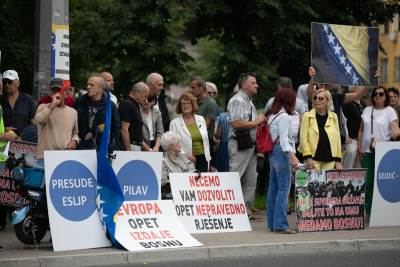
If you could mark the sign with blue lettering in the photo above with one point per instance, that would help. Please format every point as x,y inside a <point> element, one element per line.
<point>71,199</point>
<point>386,199</point>
<point>139,174</point>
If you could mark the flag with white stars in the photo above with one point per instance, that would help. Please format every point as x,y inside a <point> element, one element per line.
<point>345,55</point>
<point>109,195</point>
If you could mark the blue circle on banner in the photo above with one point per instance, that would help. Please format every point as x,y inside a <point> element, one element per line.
<point>388,176</point>
<point>73,190</point>
<point>138,181</point>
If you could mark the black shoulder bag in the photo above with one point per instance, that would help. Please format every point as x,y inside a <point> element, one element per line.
<point>243,137</point>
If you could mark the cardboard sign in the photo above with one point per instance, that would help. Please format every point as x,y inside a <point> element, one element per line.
<point>386,199</point>
<point>330,200</point>
<point>210,203</point>
<point>139,174</point>
<point>151,225</point>
<point>71,200</point>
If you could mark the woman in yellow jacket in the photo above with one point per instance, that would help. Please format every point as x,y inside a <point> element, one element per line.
<point>320,134</point>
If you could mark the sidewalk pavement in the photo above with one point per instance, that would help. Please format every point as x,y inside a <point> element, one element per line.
<point>216,246</point>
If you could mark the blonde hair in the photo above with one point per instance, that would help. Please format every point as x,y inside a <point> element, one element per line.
<point>212,86</point>
<point>328,96</point>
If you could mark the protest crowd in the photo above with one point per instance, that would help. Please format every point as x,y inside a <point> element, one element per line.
<point>322,126</point>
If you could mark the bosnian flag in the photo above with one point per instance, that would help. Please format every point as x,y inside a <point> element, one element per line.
<point>345,55</point>
<point>109,195</point>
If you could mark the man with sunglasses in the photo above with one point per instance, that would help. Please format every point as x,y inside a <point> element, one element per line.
<point>18,108</point>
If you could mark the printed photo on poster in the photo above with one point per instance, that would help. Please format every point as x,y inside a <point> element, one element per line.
<point>330,200</point>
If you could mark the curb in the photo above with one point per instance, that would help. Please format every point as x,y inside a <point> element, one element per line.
<point>207,253</point>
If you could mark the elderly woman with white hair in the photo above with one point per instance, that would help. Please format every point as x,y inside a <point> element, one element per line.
<point>320,135</point>
<point>212,90</point>
<point>174,161</point>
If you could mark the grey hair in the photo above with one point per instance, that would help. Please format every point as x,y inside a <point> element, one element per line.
<point>150,78</point>
<point>199,81</point>
<point>244,77</point>
<point>102,82</point>
<point>139,87</point>
<point>169,138</point>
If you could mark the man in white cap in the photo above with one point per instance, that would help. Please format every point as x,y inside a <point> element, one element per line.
<point>57,123</point>
<point>18,108</point>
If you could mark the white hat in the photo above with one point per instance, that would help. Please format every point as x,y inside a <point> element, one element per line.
<point>11,75</point>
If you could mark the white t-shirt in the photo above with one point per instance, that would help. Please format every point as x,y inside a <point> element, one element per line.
<point>382,118</point>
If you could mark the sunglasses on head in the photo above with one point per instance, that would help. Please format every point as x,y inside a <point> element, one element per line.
<point>7,81</point>
<point>379,94</point>
<point>319,98</point>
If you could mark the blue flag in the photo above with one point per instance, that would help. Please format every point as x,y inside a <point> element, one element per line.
<point>345,55</point>
<point>109,195</point>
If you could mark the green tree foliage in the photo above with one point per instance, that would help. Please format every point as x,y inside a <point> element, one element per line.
<point>128,38</point>
<point>272,37</point>
<point>17,37</point>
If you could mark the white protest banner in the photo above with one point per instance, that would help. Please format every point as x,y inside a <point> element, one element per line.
<point>71,200</point>
<point>151,225</point>
<point>210,203</point>
<point>386,199</point>
<point>60,51</point>
<point>139,174</point>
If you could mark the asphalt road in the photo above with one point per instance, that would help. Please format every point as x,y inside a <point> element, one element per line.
<point>383,258</point>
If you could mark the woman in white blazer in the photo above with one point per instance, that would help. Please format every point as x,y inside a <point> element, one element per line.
<point>192,129</point>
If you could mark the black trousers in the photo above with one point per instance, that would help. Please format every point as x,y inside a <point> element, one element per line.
<point>201,163</point>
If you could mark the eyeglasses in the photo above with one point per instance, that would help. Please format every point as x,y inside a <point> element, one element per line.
<point>212,93</point>
<point>379,94</point>
<point>7,81</point>
<point>319,98</point>
<point>186,103</point>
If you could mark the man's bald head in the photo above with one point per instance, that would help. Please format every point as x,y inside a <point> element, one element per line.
<point>108,79</point>
<point>155,82</point>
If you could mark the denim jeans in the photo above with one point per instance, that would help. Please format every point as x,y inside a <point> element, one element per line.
<point>278,189</point>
